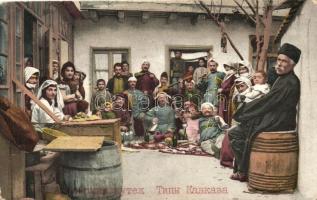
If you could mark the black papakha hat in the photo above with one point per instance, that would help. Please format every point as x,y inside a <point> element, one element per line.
<point>290,51</point>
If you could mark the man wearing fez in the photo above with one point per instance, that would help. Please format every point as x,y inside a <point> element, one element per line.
<point>137,103</point>
<point>146,82</point>
<point>276,111</point>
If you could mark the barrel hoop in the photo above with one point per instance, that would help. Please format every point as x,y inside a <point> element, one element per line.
<point>283,148</point>
<point>268,176</point>
<point>276,187</point>
<point>276,139</point>
<point>270,184</point>
<point>274,180</point>
<point>90,169</point>
<point>274,150</point>
<point>274,146</point>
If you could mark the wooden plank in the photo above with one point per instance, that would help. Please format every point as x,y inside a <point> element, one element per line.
<point>76,144</point>
<point>95,122</point>
<point>37,101</point>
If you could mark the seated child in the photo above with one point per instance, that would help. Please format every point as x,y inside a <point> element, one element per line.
<point>211,129</point>
<point>190,120</point>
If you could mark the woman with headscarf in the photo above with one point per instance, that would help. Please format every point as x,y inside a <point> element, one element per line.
<point>245,69</point>
<point>50,95</point>
<point>31,77</point>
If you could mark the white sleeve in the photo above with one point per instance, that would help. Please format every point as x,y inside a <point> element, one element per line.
<point>253,95</point>
<point>35,114</point>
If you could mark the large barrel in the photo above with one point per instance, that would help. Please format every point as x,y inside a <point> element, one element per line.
<point>274,161</point>
<point>92,175</point>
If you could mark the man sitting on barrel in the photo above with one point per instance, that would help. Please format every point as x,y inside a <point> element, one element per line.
<point>276,111</point>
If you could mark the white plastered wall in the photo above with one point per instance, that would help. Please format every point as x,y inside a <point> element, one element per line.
<point>303,33</point>
<point>150,41</point>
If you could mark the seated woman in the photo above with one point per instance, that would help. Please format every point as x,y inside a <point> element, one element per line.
<point>50,95</point>
<point>72,96</point>
<point>164,116</point>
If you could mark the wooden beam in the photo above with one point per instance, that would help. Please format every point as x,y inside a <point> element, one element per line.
<point>121,16</point>
<point>145,17</point>
<point>171,17</point>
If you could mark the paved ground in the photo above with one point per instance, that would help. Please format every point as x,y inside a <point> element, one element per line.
<point>153,175</point>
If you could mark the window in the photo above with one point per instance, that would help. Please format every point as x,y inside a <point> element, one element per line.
<point>19,16</point>
<point>103,61</point>
<point>3,50</point>
<point>3,46</point>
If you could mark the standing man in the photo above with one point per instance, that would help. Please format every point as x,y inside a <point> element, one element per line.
<point>212,83</point>
<point>276,111</point>
<point>118,83</point>
<point>137,102</point>
<point>177,67</point>
<point>125,69</point>
<point>146,82</point>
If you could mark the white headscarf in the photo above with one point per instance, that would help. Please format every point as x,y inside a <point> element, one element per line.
<point>248,66</point>
<point>29,71</point>
<point>246,81</point>
<point>164,94</point>
<point>207,104</point>
<point>132,78</point>
<point>45,84</point>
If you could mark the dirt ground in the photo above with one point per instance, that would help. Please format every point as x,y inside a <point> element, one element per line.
<point>149,174</point>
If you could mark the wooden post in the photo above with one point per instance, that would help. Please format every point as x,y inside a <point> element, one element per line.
<point>266,38</point>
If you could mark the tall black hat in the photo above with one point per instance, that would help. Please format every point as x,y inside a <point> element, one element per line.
<point>290,51</point>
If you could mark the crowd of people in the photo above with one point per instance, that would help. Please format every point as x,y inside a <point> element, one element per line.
<point>220,111</point>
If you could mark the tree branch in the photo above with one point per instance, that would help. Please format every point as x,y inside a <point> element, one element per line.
<point>245,12</point>
<point>213,18</point>
<point>251,7</point>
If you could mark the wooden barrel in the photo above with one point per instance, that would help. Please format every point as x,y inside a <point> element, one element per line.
<point>92,175</point>
<point>274,161</point>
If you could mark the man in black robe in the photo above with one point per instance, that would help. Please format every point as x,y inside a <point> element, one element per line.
<point>276,111</point>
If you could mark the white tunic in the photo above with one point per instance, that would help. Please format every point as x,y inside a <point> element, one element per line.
<point>40,116</point>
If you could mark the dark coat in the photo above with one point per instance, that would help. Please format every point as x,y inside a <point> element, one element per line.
<point>276,111</point>
<point>110,84</point>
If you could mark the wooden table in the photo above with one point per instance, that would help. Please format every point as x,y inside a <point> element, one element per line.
<point>109,128</point>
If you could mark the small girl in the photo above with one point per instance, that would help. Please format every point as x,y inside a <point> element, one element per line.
<point>190,119</point>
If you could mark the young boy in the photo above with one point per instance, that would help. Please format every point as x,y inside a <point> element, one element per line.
<point>211,129</point>
<point>100,97</point>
